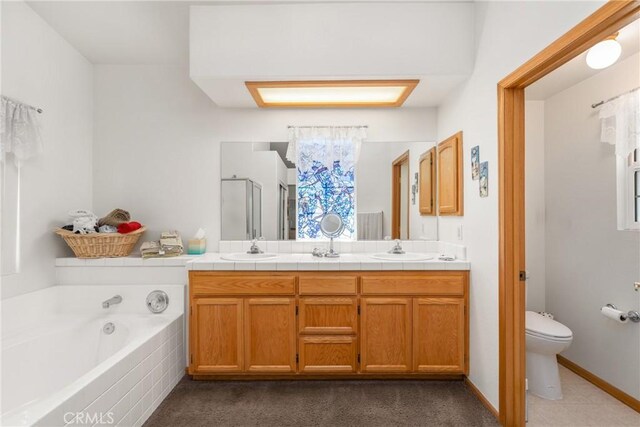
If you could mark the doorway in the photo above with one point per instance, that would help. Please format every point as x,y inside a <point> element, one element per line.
<point>610,18</point>
<point>400,197</point>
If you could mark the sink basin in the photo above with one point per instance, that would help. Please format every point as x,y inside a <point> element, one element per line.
<point>243,256</point>
<point>408,256</point>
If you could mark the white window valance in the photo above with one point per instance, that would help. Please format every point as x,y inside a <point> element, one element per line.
<point>328,135</point>
<point>620,123</point>
<point>19,131</point>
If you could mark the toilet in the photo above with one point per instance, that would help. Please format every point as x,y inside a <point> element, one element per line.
<point>545,338</point>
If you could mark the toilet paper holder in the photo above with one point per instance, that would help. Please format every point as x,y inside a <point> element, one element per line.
<point>632,315</point>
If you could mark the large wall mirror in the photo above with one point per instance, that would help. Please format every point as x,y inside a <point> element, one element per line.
<point>392,195</point>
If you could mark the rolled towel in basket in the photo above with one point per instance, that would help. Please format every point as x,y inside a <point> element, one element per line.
<point>115,218</point>
<point>128,227</point>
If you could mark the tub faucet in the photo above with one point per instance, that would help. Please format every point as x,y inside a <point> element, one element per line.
<point>113,300</point>
<point>397,248</point>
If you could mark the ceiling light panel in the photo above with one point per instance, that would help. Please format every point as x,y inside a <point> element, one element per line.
<point>361,93</point>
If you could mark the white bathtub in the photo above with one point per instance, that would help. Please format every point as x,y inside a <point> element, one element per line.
<point>59,367</point>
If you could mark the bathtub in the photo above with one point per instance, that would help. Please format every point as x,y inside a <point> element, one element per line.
<point>60,367</point>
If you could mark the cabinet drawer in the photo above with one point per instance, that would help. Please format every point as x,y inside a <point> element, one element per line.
<point>328,354</point>
<point>441,283</point>
<point>204,284</point>
<point>328,285</point>
<point>328,315</point>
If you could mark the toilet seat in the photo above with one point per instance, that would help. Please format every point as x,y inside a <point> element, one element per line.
<point>537,325</point>
<point>548,337</point>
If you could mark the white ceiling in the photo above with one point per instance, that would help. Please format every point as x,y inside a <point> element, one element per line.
<point>138,32</point>
<point>576,70</point>
<point>232,44</point>
<point>122,32</point>
<point>157,32</point>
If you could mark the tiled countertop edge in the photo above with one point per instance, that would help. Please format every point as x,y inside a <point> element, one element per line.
<point>179,261</point>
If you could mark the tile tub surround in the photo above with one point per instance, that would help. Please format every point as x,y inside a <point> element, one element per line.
<point>116,271</point>
<point>56,365</point>
<point>357,246</point>
<point>307,262</point>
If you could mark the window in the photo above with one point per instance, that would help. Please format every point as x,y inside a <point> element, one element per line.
<point>325,183</point>
<point>629,191</point>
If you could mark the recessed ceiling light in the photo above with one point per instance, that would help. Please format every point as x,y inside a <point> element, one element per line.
<point>332,93</point>
<point>604,54</point>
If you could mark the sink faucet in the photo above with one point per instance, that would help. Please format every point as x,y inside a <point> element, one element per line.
<point>397,248</point>
<point>113,300</point>
<point>254,249</point>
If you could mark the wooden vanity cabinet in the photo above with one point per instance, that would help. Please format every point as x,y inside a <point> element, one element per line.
<point>328,354</point>
<point>386,335</point>
<point>270,335</point>
<point>299,324</point>
<point>217,335</point>
<point>328,315</point>
<point>439,335</point>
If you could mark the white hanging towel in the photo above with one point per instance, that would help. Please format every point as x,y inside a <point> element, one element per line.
<point>370,225</point>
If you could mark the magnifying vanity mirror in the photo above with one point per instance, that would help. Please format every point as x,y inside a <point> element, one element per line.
<point>388,191</point>
<point>332,227</point>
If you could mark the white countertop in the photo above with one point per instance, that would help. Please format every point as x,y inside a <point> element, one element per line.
<point>130,261</point>
<point>307,262</point>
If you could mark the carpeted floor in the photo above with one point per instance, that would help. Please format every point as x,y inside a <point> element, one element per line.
<point>321,403</point>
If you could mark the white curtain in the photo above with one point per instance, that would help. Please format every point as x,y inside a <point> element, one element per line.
<point>326,135</point>
<point>19,131</point>
<point>620,123</point>
<point>20,139</point>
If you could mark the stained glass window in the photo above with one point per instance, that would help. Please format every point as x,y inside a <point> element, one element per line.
<point>325,183</point>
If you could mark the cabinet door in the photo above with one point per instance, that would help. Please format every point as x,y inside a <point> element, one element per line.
<point>216,335</point>
<point>450,176</point>
<point>438,335</point>
<point>270,335</point>
<point>385,328</point>
<point>333,354</point>
<point>427,187</point>
<point>328,315</point>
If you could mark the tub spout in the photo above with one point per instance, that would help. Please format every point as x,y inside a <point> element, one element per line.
<point>113,300</point>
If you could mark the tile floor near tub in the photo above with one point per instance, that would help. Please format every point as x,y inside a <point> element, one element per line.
<point>583,404</point>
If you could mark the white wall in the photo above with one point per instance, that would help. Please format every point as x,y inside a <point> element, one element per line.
<point>157,143</point>
<point>535,204</point>
<point>508,34</point>
<point>40,68</point>
<point>589,263</point>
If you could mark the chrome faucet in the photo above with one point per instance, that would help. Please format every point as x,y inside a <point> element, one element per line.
<point>254,249</point>
<point>113,300</point>
<point>397,248</point>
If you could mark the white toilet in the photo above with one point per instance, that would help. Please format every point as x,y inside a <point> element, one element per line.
<point>545,338</point>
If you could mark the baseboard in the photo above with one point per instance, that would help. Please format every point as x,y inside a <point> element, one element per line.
<point>481,398</point>
<point>327,377</point>
<point>623,397</point>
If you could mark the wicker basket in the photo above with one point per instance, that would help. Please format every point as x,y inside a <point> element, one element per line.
<point>101,245</point>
